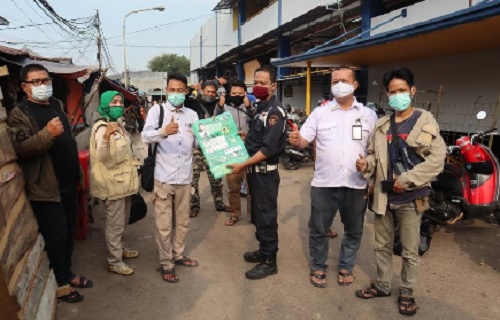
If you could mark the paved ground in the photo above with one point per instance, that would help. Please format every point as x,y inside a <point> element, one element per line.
<point>459,277</point>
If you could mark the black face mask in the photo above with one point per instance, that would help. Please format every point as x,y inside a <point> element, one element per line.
<point>237,100</point>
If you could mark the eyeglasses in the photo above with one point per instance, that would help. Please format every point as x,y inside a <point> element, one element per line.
<point>39,82</point>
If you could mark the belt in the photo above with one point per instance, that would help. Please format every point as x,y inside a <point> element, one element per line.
<point>255,168</point>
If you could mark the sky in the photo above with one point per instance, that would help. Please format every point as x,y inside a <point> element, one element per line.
<point>183,19</point>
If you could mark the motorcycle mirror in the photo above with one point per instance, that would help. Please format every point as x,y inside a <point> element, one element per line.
<point>481,115</point>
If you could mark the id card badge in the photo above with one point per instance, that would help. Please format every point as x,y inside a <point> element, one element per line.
<point>357,132</point>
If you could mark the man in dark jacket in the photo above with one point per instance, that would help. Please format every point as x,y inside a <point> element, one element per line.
<point>48,155</point>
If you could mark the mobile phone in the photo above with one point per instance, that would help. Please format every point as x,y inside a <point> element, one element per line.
<point>387,186</point>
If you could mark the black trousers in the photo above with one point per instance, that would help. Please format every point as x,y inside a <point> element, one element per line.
<point>264,203</point>
<point>57,224</point>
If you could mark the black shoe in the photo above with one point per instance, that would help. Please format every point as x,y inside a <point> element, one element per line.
<point>222,207</point>
<point>265,268</point>
<point>252,257</point>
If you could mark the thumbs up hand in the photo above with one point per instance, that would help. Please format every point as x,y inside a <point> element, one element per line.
<point>172,127</point>
<point>361,163</point>
<point>294,137</point>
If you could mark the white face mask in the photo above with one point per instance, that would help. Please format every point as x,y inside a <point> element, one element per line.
<point>342,89</point>
<point>41,93</point>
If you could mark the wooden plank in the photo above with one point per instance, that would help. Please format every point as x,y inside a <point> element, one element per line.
<point>42,274</point>
<point>20,234</point>
<point>7,152</point>
<point>15,210</point>
<point>7,309</point>
<point>24,272</point>
<point>47,307</point>
<point>3,219</point>
<point>11,190</point>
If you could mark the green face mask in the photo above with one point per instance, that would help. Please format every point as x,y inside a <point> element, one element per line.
<point>176,99</point>
<point>400,101</point>
<point>116,112</point>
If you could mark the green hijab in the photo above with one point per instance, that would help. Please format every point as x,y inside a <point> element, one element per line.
<point>106,98</point>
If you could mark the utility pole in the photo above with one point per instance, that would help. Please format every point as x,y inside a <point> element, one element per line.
<point>97,24</point>
<point>201,53</point>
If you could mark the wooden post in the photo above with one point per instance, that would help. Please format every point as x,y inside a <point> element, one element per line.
<point>440,93</point>
<point>308,88</point>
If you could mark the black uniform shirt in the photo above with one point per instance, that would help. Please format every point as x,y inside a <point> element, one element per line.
<point>268,138</point>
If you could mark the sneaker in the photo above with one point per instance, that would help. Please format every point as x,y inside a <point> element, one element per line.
<point>129,254</point>
<point>121,268</point>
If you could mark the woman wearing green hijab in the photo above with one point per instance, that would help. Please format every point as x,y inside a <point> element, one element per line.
<point>113,176</point>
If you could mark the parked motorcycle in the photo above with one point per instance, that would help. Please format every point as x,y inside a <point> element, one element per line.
<point>468,188</point>
<point>292,159</point>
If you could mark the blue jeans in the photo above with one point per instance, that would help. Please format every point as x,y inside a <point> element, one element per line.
<point>325,202</point>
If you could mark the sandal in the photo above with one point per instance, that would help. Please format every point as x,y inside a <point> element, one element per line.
<point>82,283</point>
<point>318,276</point>
<point>187,262</point>
<point>67,295</point>
<point>193,213</point>
<point>171,276</point>
<point>343,274</point>
<point>407,306</point>
<point>371,292</point>
<point>222,207</point>
<point>230,221</point>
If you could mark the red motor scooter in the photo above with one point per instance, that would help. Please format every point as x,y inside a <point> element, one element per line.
<point>469,186</point>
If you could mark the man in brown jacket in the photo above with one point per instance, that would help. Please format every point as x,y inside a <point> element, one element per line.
<point>48,155</point>
<point>402,184</point>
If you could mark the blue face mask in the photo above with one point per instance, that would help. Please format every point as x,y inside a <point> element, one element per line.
<point>176,99</point>
<point>400,101</point>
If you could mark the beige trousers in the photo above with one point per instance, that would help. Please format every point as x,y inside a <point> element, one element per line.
<point>408,219</point>
<point>172,218</point>
<point>117,215</point>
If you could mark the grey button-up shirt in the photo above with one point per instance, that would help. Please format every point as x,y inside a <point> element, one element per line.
<point>174,156</point>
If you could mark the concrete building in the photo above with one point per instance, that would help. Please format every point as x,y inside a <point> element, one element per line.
<point>453,47</point>
<point>146,80</point>
<point>241,35</point>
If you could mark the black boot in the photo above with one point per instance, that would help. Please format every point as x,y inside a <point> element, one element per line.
<point>252,257</point>
<point>265,268</point>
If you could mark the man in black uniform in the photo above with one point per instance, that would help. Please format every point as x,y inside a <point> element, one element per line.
<point>265,143</point>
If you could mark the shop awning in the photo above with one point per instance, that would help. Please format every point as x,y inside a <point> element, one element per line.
<point>468,30</point>
<point>127,94</point>
<point>68,71</point>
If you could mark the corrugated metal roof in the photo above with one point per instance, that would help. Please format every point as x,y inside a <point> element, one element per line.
<point>12,51</point>
<point>225,4</point>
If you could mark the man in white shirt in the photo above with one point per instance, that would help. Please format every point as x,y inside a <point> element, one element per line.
<point>342,129</point>
<point>173,175</point>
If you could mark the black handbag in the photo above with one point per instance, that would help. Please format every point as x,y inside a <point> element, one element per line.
<point>138,208</point>
<point>148,168</point>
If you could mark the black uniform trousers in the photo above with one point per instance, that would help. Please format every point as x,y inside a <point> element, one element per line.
<point>57,224</point>
<point>264,210</point>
